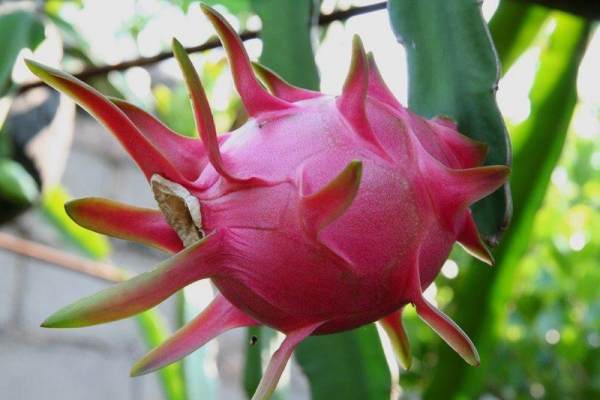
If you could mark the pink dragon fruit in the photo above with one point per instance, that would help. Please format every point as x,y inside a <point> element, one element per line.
<point>319,215</point>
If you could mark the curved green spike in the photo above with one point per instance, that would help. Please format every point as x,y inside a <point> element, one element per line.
<point>142,291</point>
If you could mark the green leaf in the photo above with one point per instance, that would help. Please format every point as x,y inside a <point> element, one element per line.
<point>19,189</point>
<point>16,185</point>
<point>258,339</point>
<point>514,27</point>
<point>234,6</point>
<point>154,332</point>
<point>18,29</point>
<point>173,108</point>
<point>198,383</point>
<point>483,295</point>
<point>349,365</point>
<point>287,36</point>
<point>253,362</point>
<point>54,6</point>
<point>453,71</point>
<point>93,244</point>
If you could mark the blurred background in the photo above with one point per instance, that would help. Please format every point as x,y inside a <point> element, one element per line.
<point>535,316</point>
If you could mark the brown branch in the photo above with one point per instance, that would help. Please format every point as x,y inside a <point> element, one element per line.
<point>61,258</point>
<point>92,72</point>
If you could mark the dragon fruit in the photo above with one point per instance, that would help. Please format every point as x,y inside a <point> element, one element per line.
<point>320,214</point>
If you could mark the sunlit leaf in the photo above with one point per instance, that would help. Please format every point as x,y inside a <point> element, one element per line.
<point>514,27</point>
<point>52,204</point>
<point>154,332</point>
<point>198,384</point>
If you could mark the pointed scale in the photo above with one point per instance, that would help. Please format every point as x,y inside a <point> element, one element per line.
<point>351,103</point>
<point>279,360</point>
<point>137,224</point>
<point>255,98</point>
<point>377,87</point>
<point>456,189</point>
<point>145,290</point>
<point>451,333</point>
<point>471,241</point>
<point>464,187</point>
<point>186,153</point>
<point>149,159</point>
<point>321,208</point>
<point>220,316</point>
<point>470,153</point>
<point>202,113</point>
<point>392,325</point>
<point>280,88</point>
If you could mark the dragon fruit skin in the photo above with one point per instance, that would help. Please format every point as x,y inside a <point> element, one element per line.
<point>319,215</point>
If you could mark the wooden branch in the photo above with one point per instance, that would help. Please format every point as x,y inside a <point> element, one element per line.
<point>92,72</point>
<point>62,259</point>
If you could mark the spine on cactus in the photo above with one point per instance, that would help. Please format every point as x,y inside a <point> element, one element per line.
<point>377,87</point>
<point>471,241</point>
<point>219,316</point>
<point>146,155</point>
<point>202,113</point>
<point>146,290</point>
<point>143,225</point>
<point>392,324</point>
<point>255,98</point>
<point>351,103</point>
<point>170,143</point>
<point>281,88</point>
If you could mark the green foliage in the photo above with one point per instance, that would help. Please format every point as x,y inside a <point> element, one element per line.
<point>173,108</point>
<point>16,185</point>
<point>453,71</point>
<point>234,6</point>
<point>349,365</point>
<point>282,21</point>
<point>482,296</point>
<point>259,339</point>
<point>154,332</point>
<point>198,384</point>
<point>514,28</point>
<point>94,245</point>
<point>173,104</point>
<point>18,29</point>
<point>18,189</point>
